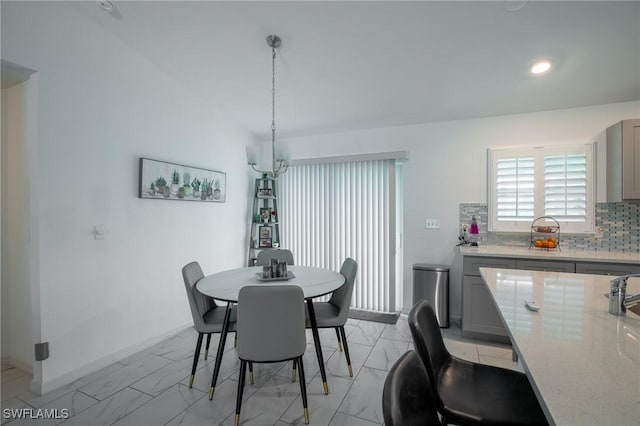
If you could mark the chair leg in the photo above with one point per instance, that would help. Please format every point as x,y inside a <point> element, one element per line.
<point>339,340</point>
<point>303,390</point>
<point>250,372</point>
<point>293,373</point>
<point>195,359</point>
<point>206,348</point>
<point>346,350</point>
<point>243,371</point>
<point>235,340</point>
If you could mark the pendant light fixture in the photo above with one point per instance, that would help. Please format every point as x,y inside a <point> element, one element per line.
<point>279,165</point>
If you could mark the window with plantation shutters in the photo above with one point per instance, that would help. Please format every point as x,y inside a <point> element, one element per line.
<point>526,183</point>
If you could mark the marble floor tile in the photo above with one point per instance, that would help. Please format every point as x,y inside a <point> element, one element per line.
<point>205,412</point>
<point>385,353</point>
<point>109,410</point>
<point>366,388</point>
<point>464,350</point>
<point>11,374</point>
<point>10,404</point>
<point>366,333</point>
<point>336,365</point>
<point>75,402</point>
<point>268,403</point>
<point>342,419</point>
<point>41,400</point>
<point>151,386</point>
<point>164,407</point>
<point>164,378</point>
<point>321,407</point>
<point>15,387</point>
<point>398,331</point>
<point>106,386</point>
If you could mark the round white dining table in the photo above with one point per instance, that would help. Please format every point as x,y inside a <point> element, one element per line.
<point>226,285</point>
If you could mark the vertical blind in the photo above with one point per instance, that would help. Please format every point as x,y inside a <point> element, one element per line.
<point>346,209</point>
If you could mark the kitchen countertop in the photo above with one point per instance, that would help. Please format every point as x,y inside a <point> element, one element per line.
<point>583,363</point>
<point>564,254</point>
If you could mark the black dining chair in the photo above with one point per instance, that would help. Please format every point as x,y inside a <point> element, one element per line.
<point>469,393</point>
<point>407,395</point>
<point>207,315</point>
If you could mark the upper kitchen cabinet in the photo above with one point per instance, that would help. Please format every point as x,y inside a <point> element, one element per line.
<point>623,161</point>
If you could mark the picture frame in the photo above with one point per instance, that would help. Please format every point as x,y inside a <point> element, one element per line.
<point>265,242</point>
<point>265,214</point>
<point>163,180</point>
<point>265,192</point>
<point>265,239</point>
<point>265,232</point>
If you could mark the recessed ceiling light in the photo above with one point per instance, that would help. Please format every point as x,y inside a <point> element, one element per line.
<point>541,67</point>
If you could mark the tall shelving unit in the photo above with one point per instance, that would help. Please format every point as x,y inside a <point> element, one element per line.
<point>264,232</point>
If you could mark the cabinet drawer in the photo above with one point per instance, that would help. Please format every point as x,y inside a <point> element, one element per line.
<point>607,268</point>
<point>546,265</point>
<point>472,264</point>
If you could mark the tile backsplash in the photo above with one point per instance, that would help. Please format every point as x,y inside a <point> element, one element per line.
<point>621,223</point>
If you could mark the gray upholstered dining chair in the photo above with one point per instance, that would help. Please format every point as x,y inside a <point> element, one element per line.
<point>333,314</point>
<point>281,255</point>
<point>271,328</point>
<point>407,395</point>
<point>469,393</point>
<point>207,315</point>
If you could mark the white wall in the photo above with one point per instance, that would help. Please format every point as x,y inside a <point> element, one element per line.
<point>101,106</point>
<point>16,302</point>
<point>447,167</point>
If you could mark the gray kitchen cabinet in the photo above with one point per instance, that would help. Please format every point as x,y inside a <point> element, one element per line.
<point>545,265</point>
<point>607,268</point>
<point>480,317</point>
<point>623,161</point>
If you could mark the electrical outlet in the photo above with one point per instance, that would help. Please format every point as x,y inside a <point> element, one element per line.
<point>432,224</point>
<point>599,232</point>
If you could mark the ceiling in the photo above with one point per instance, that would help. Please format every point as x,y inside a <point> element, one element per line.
<point>355,65</point>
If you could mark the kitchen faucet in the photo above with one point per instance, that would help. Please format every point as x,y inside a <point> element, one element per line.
<point>618,299</point>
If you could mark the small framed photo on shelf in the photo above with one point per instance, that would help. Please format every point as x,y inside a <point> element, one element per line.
<point>265,236</point>
<point>265,232</point>
<point>265,242</point>
<point>265,215</point>
<point>265,192</point>
<point>274,216</point>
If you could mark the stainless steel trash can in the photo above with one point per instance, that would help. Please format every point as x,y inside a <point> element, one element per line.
<point>431,282</point>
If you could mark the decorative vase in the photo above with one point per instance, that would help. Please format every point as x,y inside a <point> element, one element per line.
<point>174,189</point>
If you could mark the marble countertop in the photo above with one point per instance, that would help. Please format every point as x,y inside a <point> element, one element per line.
<point>564,254</point>
<point>583,362</point>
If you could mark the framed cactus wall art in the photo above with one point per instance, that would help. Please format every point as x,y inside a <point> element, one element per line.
<point>168,181</point>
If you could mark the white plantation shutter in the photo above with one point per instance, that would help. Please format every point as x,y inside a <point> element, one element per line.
<point>345,209</point>
<point>515,188</point>
<point>565,187</point>
<point>526,183</point>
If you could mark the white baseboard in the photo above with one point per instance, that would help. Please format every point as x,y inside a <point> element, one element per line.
<point>41,388</point>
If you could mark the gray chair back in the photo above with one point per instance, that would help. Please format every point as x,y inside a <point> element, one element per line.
<point>407,396</point>
<point>342,296</point>
<point>282,255</point>
<point>271,323</point>
<point>198,302</point>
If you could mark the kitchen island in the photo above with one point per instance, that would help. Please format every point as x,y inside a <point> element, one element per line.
<point>583,362</point>
<point>480,319</point>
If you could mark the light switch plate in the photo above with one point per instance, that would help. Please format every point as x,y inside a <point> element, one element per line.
<point>432,224</point>
<point>599,232</point>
